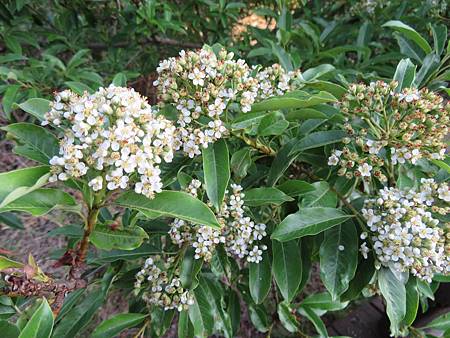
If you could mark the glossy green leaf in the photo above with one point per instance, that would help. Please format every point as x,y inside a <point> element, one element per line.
<point>430,65</point>
<point>439,37</point>
<point>175,204</point>
<point>241,161</point>
<point>201,313</point>
<point>144,250</point>
<point>8,330</point>
<point>412,301</point>
<point>334,89</point>
<point>40,324</point>
<point>272,124</point>
<point>287,317</point>
<point>9,97</point>
<point>295,188</point>
<point>185,328</point>
<point>36,107</point>
<point>6,263</point>
<point>190,267</point>
<point>287,267</point>
<point>404,74</point>
<point>339,258</point>
<point>120,80</point>
<point>17,183</point>
<point>317,72</point>
<point>35,142</point>
<point>394,293</point>
<point>216,168</point>
<point>308,221</point>
<point>440,323</point>
<point>266,195</point>
<point>323,301</point>
<point>126,238</point>
<point>78,87</point>
<point>260,279</point>
<point>283,159</point>
<point>321,196</point>
<point>11,220</point>
<point>318,139</point>
<point>41,201</point>
<point>305,114</point>
<point>363,275</point>
<point>315,319</point>
<point>117,323</point>
<point>300,99</point>
<point>410,33</point>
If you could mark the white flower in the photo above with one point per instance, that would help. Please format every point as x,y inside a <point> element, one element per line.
<point>96,183</point>
<point>197,77</point>
<point>365,169</point>
<point>444,193</point>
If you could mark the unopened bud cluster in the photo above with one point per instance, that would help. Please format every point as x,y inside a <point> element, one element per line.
<point>239,234</point>
<point>110,137</point>
<point>408,230</point>
<point>385,127</point>
<point>161,285</point>
<point>202,86</point>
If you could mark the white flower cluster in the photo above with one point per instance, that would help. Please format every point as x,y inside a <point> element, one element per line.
<point>202,85</point>
<point>406,230</point>
<point>109,136</point>
<point>239,234</point>
<point>385,127</point>
<point>274,80</point>
<point>160,288</point>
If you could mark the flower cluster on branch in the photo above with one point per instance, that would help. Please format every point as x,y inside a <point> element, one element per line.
<point>239,234</point>
<point>387,127</point>
<point>113,137</point>
<point>408,228</point>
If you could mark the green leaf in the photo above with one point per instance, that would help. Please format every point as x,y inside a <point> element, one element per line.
<point>170,203</point>
<point>36,107</point>
<point>42,201</point>
<point>282,161</point>
<point>8,329</point>
<point>442,165</point>
<point>297,99</point>
<point>334,89</point>
<point>260,279</point>
<point>40,324</point>
<point>315,319</point>
<point>241,162</point>
<point>9,97</point>
<point>430,64</point>
<point>16,183</point>
<point>321,196</point>
<point>11,220</point>
<point>287,318</point>
<point>127,238</point>
<point>144,250</point>
<point>317,72</point>
<point>120,80</point>
<point>272,124</point>
<point>185,328</point>
<point>267,195</point>
<point>339,258</point>
<point>247,120</point>
<point>287,268</point>
<point>363,275</point>
<point>394,293</point>
<point>439,37</point>
<point>305,114</point>
<point>410,33</point>
<point>201,313</point>
<point>412,301</point>
<point>404,74</point>
<point>117,323</point>
<point>216,168</point>
<point>36,142</point>
<point>258,316</point>
<point>77,318</point>
<point>295,188</point>
<point>78,87</point>
<point>318,139</point>
<point>440,323</point>
<point>6,263</point>
<point>308,221</point>
<point>190,267</point>
<point>323,301</point>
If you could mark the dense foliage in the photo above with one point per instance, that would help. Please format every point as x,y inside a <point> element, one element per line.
<point>277,137</point>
